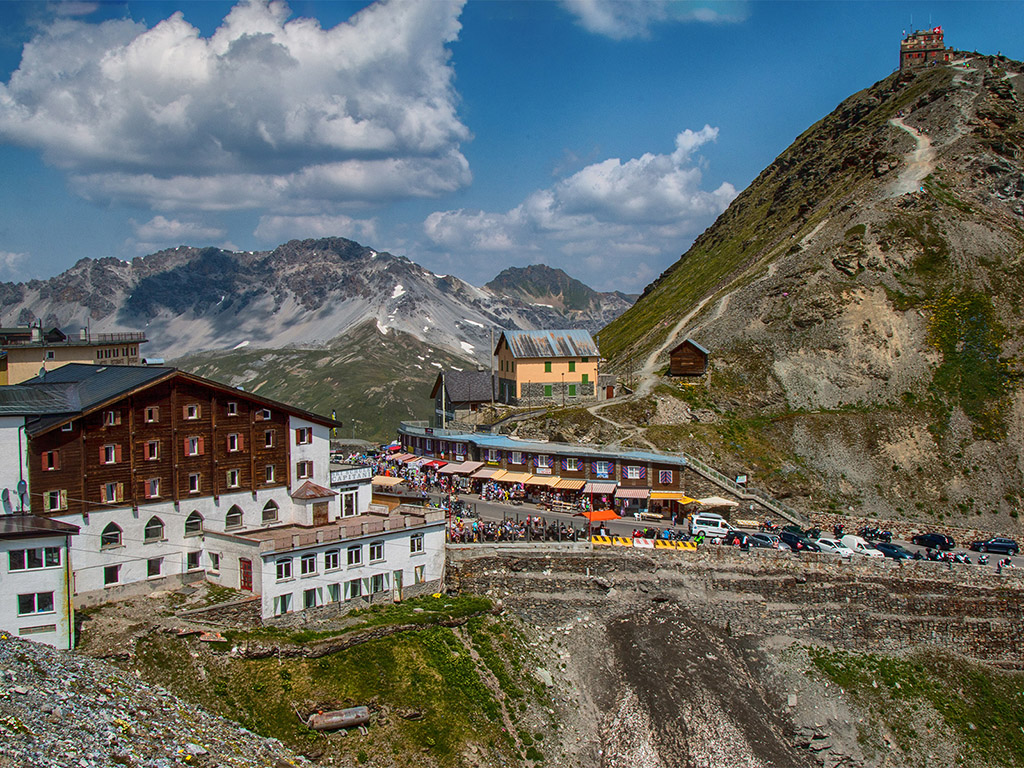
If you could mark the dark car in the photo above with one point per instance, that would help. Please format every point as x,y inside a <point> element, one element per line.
<point>934,541</point>
<point>764,540</point>
<point>1003,546</point>
<point>799,542</point>
<point>895,551</point>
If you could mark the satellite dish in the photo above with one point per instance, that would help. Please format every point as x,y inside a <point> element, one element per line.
<point>5,496</point>
<point>22,487</point>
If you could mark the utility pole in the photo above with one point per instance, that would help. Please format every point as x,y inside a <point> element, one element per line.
<point>563,389</point>
<point>444,403</point>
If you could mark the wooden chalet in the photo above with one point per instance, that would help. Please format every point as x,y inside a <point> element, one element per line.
<point>688,359</point>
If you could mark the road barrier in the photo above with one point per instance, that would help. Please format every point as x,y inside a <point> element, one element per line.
<point>639,543</point>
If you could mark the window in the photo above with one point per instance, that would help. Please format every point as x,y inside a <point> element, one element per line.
<point>111,536</point>
<point>268,439</point>
<point>50,354</point>
<point>584,359</point>
<point>112,492</point>
<point>282,604</point>
<point>416,544</point>
<point>51,460</point>
<point>493,455</point>
<point>33,559</point>
<point>232,409</point>
<point>572,366</point>
<point>269,473</point>
<point>110,454</point>
<point>194,524</point>
<point>284,568</point>
<point>191,412</point>
<point>353,589</point>
<point>304,470</point>
<point>152,488</point>
<point>348,504</point>
<point>233,519</point>
<point>36,602</point>
<point>67,427</point>
<point>547,366</point>
<point>270,512</point>
<point>265,414</point>
<point>602,468</point>
<point>234,478</point>
<point>111,575</point>
<point>517,457</point>
<point>633,473</point>
<point>332,559</point>
<point>154,567</point>
<point>151,450</point>
<point>572,390</point>
<point>192,560</point>
<point>547,390</point>
<point>664,476</point>
<point>334,593</point>
<point>111,418</point>
<point>55,501</point>
<point>376,551</point>
<point>543,461</point>
<point>194,446</point>
<point>417,574</point>
<point>584,379</point>
<point>572,465</point>
<point>214,562</point>
<point>355,555</point>
<point>307,565</point>
<point>234,442</point>
<point>303,435</point>
<point>378,582</point>
<point>154,530</point>
<point>309,598</point>
<point>151,415</point>
<point>193,482</point>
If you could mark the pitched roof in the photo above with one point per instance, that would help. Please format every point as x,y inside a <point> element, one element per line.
<point>692,343</point>
<point>30,526</point>
<point>467,386</point>
<point>564,343</point>
<point>310,490</point>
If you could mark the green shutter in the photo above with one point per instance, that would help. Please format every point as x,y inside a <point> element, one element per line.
<point>547,366</point>
<point>547,388</point>
<point>572,390</point>
<point>585,379</point>
<point>572,366</point>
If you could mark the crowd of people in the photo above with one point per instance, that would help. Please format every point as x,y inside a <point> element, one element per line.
<point>533,528</point>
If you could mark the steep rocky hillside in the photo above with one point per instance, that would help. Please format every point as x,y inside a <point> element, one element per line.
<point>862,303</point>
<point>303,293</point>
<point>540,284</point>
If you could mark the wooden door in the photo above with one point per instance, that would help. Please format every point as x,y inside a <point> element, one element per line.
<point>245,574</point>
<point>320,513</point>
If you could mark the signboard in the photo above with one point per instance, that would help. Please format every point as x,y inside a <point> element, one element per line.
<point>342,476</point>
<point>741,479</point>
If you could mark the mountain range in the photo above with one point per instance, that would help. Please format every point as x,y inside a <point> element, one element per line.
<point>862,301</point>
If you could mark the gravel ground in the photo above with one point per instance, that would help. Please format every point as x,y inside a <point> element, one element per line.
<point>61,709</point>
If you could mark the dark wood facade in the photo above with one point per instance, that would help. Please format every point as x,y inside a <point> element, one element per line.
<point>174,440</point>
<point>688,359</point>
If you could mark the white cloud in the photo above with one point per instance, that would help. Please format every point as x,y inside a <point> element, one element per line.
<point>624,19</point>
<point>277,229</point>
<point>613,219</point>
<point>12,265</point>
<point>160,228</point>
<point>265,111</point>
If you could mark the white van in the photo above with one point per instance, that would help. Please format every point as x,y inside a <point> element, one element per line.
<point>713,526</point>
<point>860,546</point>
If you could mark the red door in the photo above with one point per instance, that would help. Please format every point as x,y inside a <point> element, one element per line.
<point>609,392</point>
<point>245,574</point>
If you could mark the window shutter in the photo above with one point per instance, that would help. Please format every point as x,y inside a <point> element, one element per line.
<point>145,488</point>
<point>145,451</point>
<point>184,411</point>
<point>117,454</point>
<point>241,442</point>
<point>185,445</point>
<point>298,437</point>
<point>227,442</point>
<point>63,496</point>
<point>201,451</point>
<point>56,459</point>
<point>120,492</point>
<point>103,454</point>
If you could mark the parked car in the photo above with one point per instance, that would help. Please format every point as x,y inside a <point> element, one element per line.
<point>799,542</point>
<point>713,526</point>
<point>833,547</point>
<point>997,544</point>
<point>934,541</point>
<point>895,551</point>
<point>860,546</point>
<point>767,540</point>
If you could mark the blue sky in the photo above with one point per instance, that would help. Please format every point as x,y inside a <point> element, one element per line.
<point>596,136</point>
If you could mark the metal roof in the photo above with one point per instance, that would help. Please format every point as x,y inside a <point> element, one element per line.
<point>693,343</point>
<point>567,343</point>
<point>467,386</point>
<point>30,526</point>
<point>21,400</point>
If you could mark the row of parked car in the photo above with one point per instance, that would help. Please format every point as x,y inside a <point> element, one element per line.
<point>791,537</point>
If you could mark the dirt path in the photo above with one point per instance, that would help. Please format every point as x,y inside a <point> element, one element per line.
<point>919,162</point>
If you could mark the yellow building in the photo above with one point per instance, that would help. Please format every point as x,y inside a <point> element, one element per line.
<point>538,367</point>
<point>27,349</point>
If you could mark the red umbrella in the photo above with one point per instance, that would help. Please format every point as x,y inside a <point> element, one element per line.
<point>600,515</point>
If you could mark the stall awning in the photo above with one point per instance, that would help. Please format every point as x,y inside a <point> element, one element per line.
<point>514,477</point>
<point>401,456</point>
<point>415,461</point>
<point>468,467</point>
<point>718,501</point>
<point>485,474</point>
<point>539,480</point>
<point>435,463</point>
<point>602,489</point>
<point>387,482</point>
<point>450,469</point>
<point>632,493</point>
<point>682,498</point>
<point>569,484</point>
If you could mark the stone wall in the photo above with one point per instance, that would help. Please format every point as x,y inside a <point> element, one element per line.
<point>310,617</point>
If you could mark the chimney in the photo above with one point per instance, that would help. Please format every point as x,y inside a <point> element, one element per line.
<point>37,333</point>
<point>83,334</point>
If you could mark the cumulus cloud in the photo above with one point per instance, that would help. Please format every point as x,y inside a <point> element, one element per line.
<point>160,232</point>
<point>277,229</point>
<point>613,219</point>
<point>12,265</point>
<point>624,19</point>
<point>268,110</point>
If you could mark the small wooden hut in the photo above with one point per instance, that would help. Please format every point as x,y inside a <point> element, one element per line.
<point>688,359</point>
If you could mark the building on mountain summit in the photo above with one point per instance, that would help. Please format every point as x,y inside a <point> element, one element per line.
<point>688,359</point>
<point>923,47</point>
<point>25,350</point>
<point>546,367</point>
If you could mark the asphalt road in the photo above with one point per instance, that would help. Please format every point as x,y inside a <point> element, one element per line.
<point>497,511</point>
